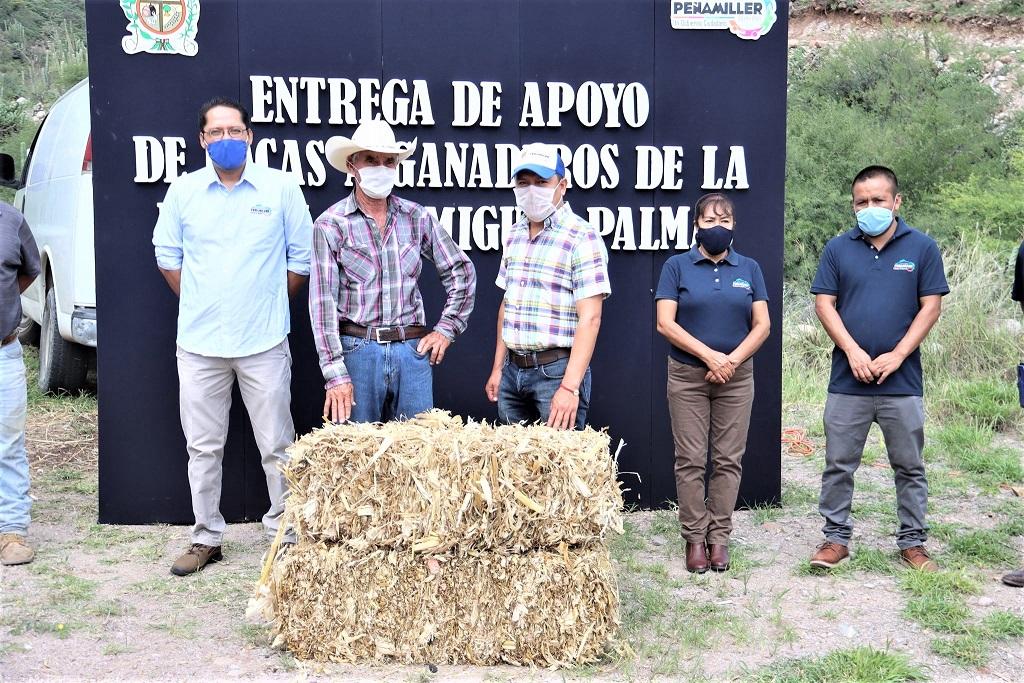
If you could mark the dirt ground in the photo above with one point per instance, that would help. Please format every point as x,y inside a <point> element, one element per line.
<point>99,603</point>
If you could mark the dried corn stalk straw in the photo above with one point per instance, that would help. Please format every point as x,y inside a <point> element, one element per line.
<point>432,483</point>
<point>550,608</point>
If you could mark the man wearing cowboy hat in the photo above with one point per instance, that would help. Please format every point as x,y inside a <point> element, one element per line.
<point>364,302</point>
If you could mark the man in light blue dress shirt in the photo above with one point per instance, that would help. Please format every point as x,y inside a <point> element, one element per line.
<point>233,242</point>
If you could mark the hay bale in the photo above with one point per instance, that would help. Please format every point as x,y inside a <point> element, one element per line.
<point>543,608</point>
<point>433,483</point>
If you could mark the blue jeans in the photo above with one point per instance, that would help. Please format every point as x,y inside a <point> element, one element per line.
<point>14,499</point>
<point>524,394</point>
<point>390,380</point>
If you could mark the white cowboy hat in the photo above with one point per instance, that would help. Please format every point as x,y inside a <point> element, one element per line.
<point>373,136</point>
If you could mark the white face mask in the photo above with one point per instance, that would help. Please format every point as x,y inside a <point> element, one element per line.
<point>536,201</point>
<point>377,181</point>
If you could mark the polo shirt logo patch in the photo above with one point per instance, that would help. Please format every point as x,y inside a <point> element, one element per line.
<point>740,283</point>
<point>904,264</point>
<point>260,210</point>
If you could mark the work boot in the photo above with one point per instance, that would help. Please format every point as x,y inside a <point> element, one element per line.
<point>14,550</point>
<point>195,558</point>
<point>718,557</point>
<point>829,555</point>
<point>917,558</point>
<point>696,558</point>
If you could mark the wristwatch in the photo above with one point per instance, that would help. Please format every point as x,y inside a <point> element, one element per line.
<point>574,392</point>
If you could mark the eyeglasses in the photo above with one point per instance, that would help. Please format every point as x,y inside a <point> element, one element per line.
<point>219,133</point>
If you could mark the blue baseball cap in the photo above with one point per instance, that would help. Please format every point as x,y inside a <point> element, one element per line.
<point>540,158</point>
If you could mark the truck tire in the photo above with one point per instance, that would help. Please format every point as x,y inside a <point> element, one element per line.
<point>28,331</point>
<point>62,364</point>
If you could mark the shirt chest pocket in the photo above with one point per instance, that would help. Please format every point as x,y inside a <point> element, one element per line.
<point>409,251</point>
<point>358,260</point>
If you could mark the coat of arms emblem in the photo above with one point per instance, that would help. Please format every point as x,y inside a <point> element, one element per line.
<point>164,27</point>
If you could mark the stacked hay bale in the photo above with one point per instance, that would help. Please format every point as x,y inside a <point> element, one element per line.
<point>435,541</point>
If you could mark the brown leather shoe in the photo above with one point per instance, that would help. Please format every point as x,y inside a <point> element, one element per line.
<point>1015,579</point>
<point>195,558</point>
<point>829,555</point>
<point>917,558</point>
<point>14,550</point>
<point>696,558</point>
<point>718,557</point>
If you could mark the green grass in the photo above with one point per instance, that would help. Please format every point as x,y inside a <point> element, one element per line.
<point>940,612</point>
<point>796,496</point>
<point>943,582</point>
<point>1002,625</point>
<point>861,664</point>
<point>872,560</point>
<point>968,650</point>
<point>67,480</point>
<point>989,402</point>
<point>982,548</point>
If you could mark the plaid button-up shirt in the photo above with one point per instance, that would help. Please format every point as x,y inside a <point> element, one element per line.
<point>544,277</point>
<point>368,276</point>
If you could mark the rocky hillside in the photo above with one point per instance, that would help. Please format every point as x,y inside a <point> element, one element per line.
<point>987,34</point>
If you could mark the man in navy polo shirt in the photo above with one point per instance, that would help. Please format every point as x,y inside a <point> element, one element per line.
<point>878,292</point>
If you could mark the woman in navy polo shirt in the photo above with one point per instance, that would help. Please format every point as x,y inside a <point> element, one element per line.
<point>713,309</point>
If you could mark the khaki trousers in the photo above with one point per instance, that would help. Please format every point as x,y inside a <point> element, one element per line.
<point>264,380</point>
<point>701,410</point>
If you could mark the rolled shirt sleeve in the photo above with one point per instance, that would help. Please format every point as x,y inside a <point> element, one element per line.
<point>167,241</point>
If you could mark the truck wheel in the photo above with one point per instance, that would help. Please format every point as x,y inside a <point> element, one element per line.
<point>62,364</point>
<point>28,331</point>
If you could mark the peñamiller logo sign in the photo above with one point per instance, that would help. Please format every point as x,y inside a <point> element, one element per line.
<point>748,19</point>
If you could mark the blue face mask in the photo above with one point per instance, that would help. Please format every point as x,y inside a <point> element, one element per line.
<point>874,220</point>
<point>228,154</point>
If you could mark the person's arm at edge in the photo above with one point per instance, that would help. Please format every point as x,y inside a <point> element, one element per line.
<point>30,266</point>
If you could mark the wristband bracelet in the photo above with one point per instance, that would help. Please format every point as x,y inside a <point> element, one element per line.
<point>574,392</point>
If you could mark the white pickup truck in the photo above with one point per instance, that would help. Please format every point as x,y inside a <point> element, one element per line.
<point>55,194</point>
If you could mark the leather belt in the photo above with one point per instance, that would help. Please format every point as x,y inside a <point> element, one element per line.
<point>536,358</point>
<point>383,335</point>
<point>8,339</point>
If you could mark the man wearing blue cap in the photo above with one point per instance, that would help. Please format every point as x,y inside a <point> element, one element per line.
<point>554,271</point>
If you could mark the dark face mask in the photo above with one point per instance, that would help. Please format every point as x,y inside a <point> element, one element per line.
<point>715,239</point>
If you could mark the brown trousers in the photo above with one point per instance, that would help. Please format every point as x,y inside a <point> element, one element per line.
<point>700,409</point>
